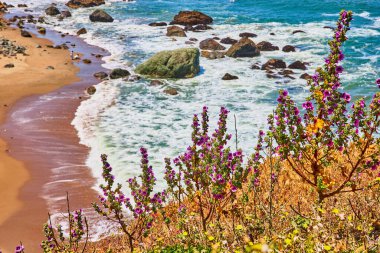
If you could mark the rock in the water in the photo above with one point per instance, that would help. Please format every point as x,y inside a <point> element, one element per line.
<point>84,3</point>
<point>228,76</point>
<point>274,64</point>
<point>298,31</point>
<point>101,75</point>
<point>244,48</point>
<point>175,31</point>
<point>52,11</point>
<point>91,90</point>
<point>212,54</point>
<point>171,91</point>
<point>25,34</point>
<point>9,65</point>
<point>306,76</point>
<point>298,65</point>
<point>193,39</point>
<point>202,27</point>
<point>266,46</point>
<point>119,73</point>
<point>191,18</point>
<point>100,16</point>
<point>255,66</point>
<point>158,24</point>
<point>41,30</point>
<point>179,63</point>
<point>286,72</point>
<point>3,7</point>
<point>156,83</point>
<point>134,78</point>
<point>210,44</point>
<point>22,6</point>
<point>248,35</point>
<point>288,48</point>
<point>81,31</point>
<point>228,40</point>
<point>272,76</point>
<point>65,14</point>
<point>86,61</point>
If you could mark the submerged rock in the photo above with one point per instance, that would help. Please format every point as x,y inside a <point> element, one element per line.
<point>158,24</point>
<point>298,65</point>
<point>228,40</point>
<point>101,75</point>
<point>247,34</point>
<point>179,63</point>
<point>210,44</point>
<point>228,76</point>
<point>171,91</point>
<point>100,16</point>
<point>288,48</point>
<point>52,11</point>
<point>84,3</point>
<point>244,48</point>
<point>266,46</point>
<point>119,73</point>
<point>306,76</point>
<point>274,64</point>
<point>212,54</point>
<point>191,18</point>
<point>156,83</point>
<point>175,31</point>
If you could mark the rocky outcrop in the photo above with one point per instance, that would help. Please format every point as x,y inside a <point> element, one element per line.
<point>84,3</point>
<point>274,64</point>
<point>179,63</point>
<point>119,73</point>
<point>210,44</point>
<point>212,55</point>
<point>228,40</point>
<point>244,48</point>
<point>81,31</point>
<point>228,76</point>
<point>298,65</point>
<point>248,35</point>
<point>52,11</point>
<point>175,31</point>
<point>288,48</point>
<point>266,46</point>
<point>100,16</point>
<point>191,18</point>
<point>158,24</point>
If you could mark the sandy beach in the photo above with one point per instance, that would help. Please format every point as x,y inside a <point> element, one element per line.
<point>24,172</point>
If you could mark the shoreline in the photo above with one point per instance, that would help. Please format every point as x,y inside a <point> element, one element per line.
<point>24,188</point>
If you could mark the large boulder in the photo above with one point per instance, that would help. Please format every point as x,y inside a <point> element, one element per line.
<point>191,18</point>
<point>52,11</point>
<point>244,48</point>
<point>175,31</point>
<point>274,64</point>
<point>100,16</point>
<point>210,44</point>
<point>179,63</point>
<point>288,48</point>
<point>266,46</point>
<point>298,65</point>
<point>84,3</point>
<point>119,73</point>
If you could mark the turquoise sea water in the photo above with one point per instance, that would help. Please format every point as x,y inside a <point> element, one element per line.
<point>122,116</point>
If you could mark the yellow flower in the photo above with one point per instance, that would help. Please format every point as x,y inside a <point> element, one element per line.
<point>211,238</point>
<point>335,210</point>
<point>239,227</point>
<point>316,126</point>
<point>327,247</point>
<point>319,94</point>
<point>185,233</point>
<point>288,241</point>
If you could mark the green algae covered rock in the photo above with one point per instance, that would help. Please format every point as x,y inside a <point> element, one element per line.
<point>179,63</point>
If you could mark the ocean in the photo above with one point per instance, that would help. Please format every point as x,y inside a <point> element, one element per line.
<point>123,116</point>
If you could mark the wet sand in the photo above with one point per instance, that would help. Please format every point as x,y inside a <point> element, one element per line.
<point>40,155</point>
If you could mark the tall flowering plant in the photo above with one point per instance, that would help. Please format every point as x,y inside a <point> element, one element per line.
<point>330,146</point>
<point>208,173</point>
<point>143,204</point>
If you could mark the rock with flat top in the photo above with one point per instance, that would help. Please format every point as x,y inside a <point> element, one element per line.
<point>210,44</point>
<point>175,31</point>
<point>75,4</point>
<point>191,18</point>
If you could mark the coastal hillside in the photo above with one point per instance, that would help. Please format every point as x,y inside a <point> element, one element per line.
<point>177,126</point>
